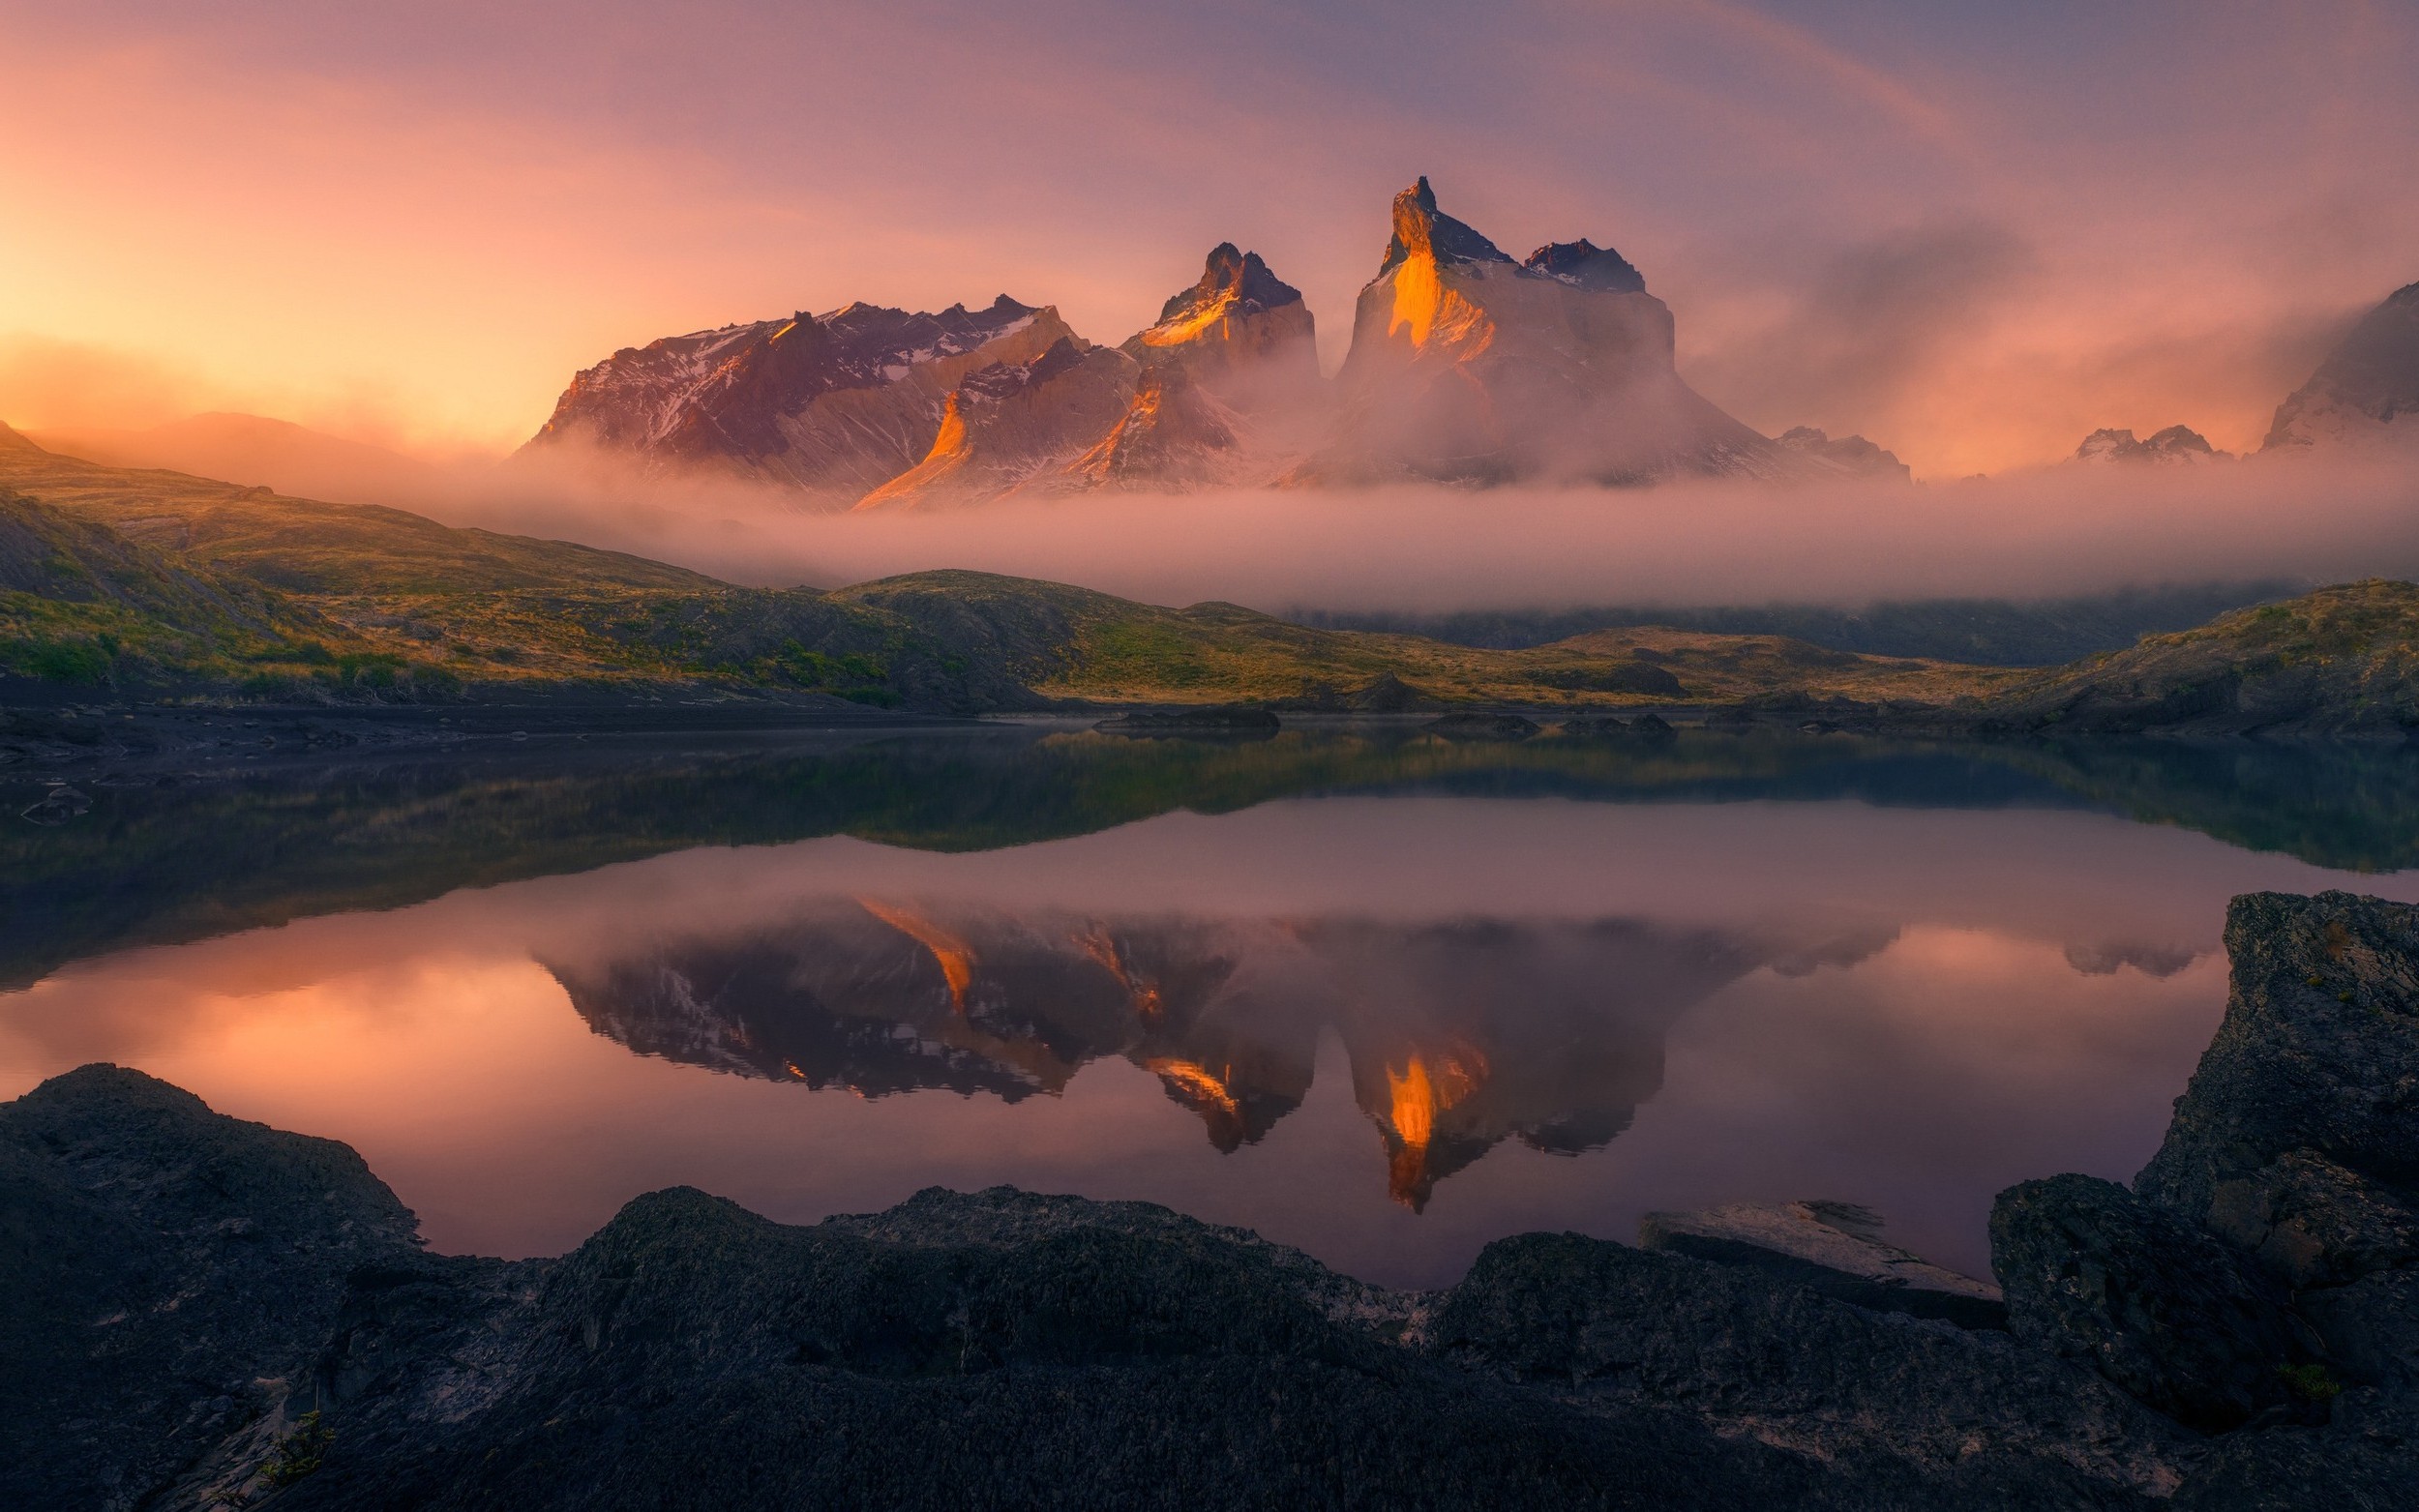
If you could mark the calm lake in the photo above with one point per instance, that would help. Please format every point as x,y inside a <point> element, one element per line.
<point>1375,995</point>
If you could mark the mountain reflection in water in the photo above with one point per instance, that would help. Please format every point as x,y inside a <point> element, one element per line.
<point>1459,1035</point>
<point>1371,994</point>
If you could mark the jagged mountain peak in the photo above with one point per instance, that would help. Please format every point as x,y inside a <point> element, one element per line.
<point>1850,455</point>
<point>1232,277</point>
<point>2368,388</point>
<point>1423,229</point>
<point>1585,265</point>
<point>2176,444</point>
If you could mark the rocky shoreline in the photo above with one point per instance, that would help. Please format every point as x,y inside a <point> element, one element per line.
<point>201,1312</point>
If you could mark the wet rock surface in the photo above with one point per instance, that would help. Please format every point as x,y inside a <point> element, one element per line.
<point>180,1292</point>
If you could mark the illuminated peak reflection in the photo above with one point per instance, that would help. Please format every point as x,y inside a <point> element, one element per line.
<point>1459,1034</point>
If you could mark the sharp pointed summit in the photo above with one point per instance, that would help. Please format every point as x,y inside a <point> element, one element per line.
<point>1242,333</point>
<point>1467,367</point>
<point>1420,230</point>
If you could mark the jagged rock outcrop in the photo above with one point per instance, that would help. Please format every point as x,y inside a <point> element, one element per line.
<point>1223,390</point>
<point>1229,395</point>
<point>1084,1355</point>
<point>2264,1266</point>
<point>834,404</point>
<point>1467,367</point>
<point>1851,455</point>
<point>2171,1314</point>
<point>1242,333</point>
<point>1004,424</point>
<point>1174,434</point>
<point>2298,1138</point>
<point>2367,391</point>
<point>165,1270</point>
<point>1606,1327</point>
<point>2177,445</point>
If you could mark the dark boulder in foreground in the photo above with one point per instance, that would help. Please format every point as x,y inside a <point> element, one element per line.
<point>998,1349</point>
<point>197,1312</point>
<point>2166,1311</point>
<point>2266,1255</point>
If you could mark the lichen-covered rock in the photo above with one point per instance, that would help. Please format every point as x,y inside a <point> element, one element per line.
<point>2168,1313</point>
<point>2311,1223</point>
<point>165,1271</point>
<point>989,1350</point>
<point>2319,1052</point>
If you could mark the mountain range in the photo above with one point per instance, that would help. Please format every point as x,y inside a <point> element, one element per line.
<point>2363,397</point>
<point>1466,367</point>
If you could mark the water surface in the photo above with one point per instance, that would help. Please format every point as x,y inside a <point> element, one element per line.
<point>1379,996</point>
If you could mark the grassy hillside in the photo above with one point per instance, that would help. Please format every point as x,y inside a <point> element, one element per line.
<point>334,589</point>
<point>1074,643</point>
<point>306,545</point>
<point>1978,631</point>
<point>80,603</point>
<point>2343,661</point>
<point>133,577</point>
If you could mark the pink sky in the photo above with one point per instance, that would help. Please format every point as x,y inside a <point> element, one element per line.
<point>1972,232</point>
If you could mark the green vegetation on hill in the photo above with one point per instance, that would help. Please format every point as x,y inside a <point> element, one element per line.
<point>308,546</point>
<point>2343,661</point>
<point>140,579</point>
<point>1981,631</point>
<point>80,603</point>
<point>383,600</point>
<point>1074,643</point>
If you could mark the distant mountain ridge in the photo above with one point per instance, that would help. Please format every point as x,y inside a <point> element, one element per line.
<point>1466,367</point>
<point>840,401</point>
<point>2363,397</point>
<point>2367,391</point>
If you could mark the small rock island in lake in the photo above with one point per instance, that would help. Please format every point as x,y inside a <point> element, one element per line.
<point>201,1312</point>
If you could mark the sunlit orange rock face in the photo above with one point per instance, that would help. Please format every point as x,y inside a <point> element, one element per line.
<point>1469,366</point>
<point>1004,424</point>
<point>1242,333</point>
<point>1223,390</point>
<point>1457,1036</point>
<point>1229,392</point>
